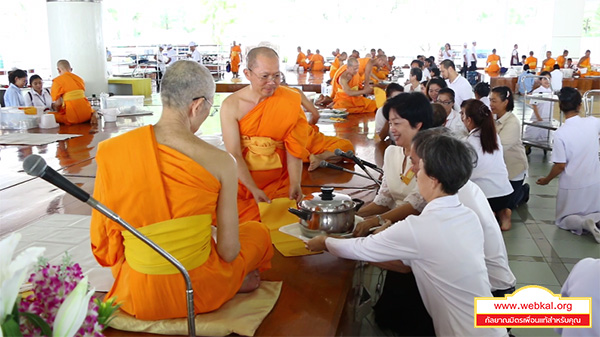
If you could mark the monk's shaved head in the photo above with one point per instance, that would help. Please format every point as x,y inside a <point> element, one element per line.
<point>352,61</point>
<point>64,65</point>
<point>263,51</point>
<point>183,82</point>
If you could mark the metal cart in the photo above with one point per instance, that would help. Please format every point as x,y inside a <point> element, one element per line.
<point>548,125</point>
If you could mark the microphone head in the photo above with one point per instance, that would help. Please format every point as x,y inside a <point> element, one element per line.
<point>339,152</point>
<point>34,165</point>
<point>323,163</point>
<point>350,153</point>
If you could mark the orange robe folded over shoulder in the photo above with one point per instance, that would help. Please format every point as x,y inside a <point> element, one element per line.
<point>352,104</point>
<point>548,64</point>
<point>301,60</point>
<point>76,108</point>
<point>335,65</point>
<point>532,62</point>
<point>236,51</point>
<point>274,127</point>
<point>318,63</point>
<point>318,143</point>
<point>560,60</point>
<point>145,183</point>
<point>493,60</point>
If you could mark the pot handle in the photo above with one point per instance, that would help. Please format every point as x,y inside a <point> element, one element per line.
<point>302,214</point>
<point>358,204</point>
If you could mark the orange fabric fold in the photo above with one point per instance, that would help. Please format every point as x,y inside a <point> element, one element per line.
<point>335,65</point>
<point>301,60</point>
<point>493,59</point>
<point>532,62</point>
<point>146,183</point>
<point>281,118</point>
<point>560,60</point>
<point>236,51</point>
<point>352,104</point>
<point>318,63</point>
<point>549,65</point>
<point>318,143</point>
<point>73,111</point>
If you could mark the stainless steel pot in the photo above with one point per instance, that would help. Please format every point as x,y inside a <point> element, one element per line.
<point>326,213</point>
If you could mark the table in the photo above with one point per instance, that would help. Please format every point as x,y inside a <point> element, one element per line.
<point>139,86</point>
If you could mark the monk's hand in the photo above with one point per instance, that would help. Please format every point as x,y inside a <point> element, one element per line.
<point>362,228</point>
<point>260,196</point>
<point>314,119</point>
<point>296,193</point>
<point>316,244</point>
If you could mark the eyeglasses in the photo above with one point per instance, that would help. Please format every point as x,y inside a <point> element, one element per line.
<point>445,102</point>
<point>266,77</point>
<point>214,111</point>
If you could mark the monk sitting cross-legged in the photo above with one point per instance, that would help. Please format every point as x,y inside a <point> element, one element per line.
<point>265,129</point>
<point>337,63</point>
<point>177,188</point>
<point>301,59</point>
<point>317,62</point>
<point>68,95</point>
<point>346,93</point>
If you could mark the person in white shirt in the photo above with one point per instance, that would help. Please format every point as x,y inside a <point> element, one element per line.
<point>160,66</point>
<point>38,95</point>
<point>514,57</point>
<point>171,54</point>
<point>465,59</point>
<point>453,121</point>
<point>195,55</point>
<point>490,173</point>
<point>542,112</point>
<point>382,125</point>
<point>583,282</point>
<point>433,87</point>
<point>414,84</point>
<point>443,246</point>
<point>447,52</point>
<point>482,91</point>
<point>473,57</point>
<point>557,78</point>
<point>575,157</point>
<point>462,89</point>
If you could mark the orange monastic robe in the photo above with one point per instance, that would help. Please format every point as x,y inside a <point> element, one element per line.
<point>76,108</point>
<point>585,64</point>
<point>318,143</point>
<point>493,60</point>
<point>532,62</point>
<point>362,67</point>
<point>318,63</point>
<point>352,104</point>
<point>561,61</point>
<point>236,51</point>
<point>548,65</point>
<point>335,65</point>
<point>378,75</point>
<point>280,118</point>
<point>147,183</point>
<point>301,60</point>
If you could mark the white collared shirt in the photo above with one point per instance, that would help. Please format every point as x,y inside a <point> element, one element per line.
<point>32,98</point>
<point>490,173</point>
<point>444,248</point>
<point>462,90</point>
<point>456,125</point>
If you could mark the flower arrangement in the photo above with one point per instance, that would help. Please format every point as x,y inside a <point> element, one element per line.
<point>59,297</point>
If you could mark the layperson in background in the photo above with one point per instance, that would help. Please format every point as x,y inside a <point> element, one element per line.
<point>346,90</point>
<point>490,173</point>
<point>482,92</point>
<point>462,88</point>
<point>172,55</point>
<point>382,125</point>
<point>575,157</point>
<point>433,87</point>
<point>161,66</point>
<point>439,115</point>
<point>508,127</point>
<point>178,203</point>
<point>408,113</point>
<point>13,97</point>
<point>195,55</point>
<point>473,57</point>
<point>561,60</point>
<point>265,116</point>
<point>525,83</point>
<point>414,84</point>
<point>447,52</point>
<point>38,96</point>
<point>542,112</point>
<point>453,120</point>
<point>557,79</point>
<point>430,243</point>
<point>514,56</point>
<point>465,59</point>
<point>68,94</point>
<point>571,65</point>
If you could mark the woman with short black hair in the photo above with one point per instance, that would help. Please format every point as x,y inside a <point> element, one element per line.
<point>13,96</point>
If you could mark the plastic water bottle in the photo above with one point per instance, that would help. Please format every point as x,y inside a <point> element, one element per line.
<point>103,97</point>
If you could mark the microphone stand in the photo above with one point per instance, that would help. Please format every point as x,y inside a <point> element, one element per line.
<point>339,168</point>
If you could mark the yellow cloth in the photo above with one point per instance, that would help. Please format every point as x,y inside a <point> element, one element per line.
<point>379,97</point>
<point>187,239</point>
<point>73,95</point>
<point>241,315</point>
<point>261,155</point>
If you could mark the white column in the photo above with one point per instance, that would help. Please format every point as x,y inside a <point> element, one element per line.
<point>75,32</point>
<point>567,27</point>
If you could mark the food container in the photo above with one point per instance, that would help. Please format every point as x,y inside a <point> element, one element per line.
<point>125,103</point>
<point>326,213</point>
<point>12,118</point>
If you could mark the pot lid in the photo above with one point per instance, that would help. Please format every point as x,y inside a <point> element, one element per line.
<point>327,202</point>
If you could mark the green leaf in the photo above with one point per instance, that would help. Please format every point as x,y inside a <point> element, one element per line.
<point>11,328</point>
<point>39,322</point>
<point>106,310</point>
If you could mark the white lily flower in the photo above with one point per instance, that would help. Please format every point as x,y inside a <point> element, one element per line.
<point>13,273</point>
<point>73,311</point>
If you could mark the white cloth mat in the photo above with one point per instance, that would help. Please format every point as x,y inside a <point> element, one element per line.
<point>33,138</point>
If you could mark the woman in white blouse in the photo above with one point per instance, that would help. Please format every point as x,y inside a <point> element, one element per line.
<point>407,114</point>
<point>38,96</point>
<point>490,174</point>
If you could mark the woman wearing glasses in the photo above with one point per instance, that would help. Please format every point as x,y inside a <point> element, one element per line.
<point>446,99</point>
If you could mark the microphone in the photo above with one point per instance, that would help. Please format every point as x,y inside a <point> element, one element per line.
<point>35,165</point>
<point>339,168</point>
<point>350,154</point>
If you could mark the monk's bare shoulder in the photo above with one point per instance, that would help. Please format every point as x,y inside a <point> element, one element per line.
<point>237,104</point>
<point>216,161</point>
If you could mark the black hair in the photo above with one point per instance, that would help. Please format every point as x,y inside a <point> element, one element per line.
<point>526,67</point>
<point>569,99</point>
<point>34,77</point>
<point>17,73</point>
<point>435,72</point>
<point>544,73</point>
<point>393,87</point>
<point>437,81</point>
<point>482,89</point>
<point>447,91</point>
<point>414,107</point>
<point>482,117</point>
<point>570,59</point>
<point>439,115</point>
<point>556,66</point>
<point>448,64</point>
<point>416,72</point>
<point>418,62</point>
<point>505,94</point>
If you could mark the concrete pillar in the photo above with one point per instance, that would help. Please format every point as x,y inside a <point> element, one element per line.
<point>567,27</point>
<point>75,32</point>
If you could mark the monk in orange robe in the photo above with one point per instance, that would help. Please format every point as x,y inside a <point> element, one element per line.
<point>347,92</point>
<point>265,129</point>
<point>493,63</point>
<point>549,62</point>
<point>68,95</point>
<point>301,59</point>
<point>236,58</point>
<point>337,63</point>
<point>531,61</point>
<point>174,188</point>
<point>366,66</point>
<point>562,59</point>
<point>317,62</point>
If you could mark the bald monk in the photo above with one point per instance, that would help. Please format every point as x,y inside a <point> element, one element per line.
<point>493,63</point>
<point>584,62</point>
<point>68,95</point>
<point>346,90</point>
<point>337,63</point>
<point>531,61</point>
<point>265,128</point>
<point>236,58</point>
<point>309,55</point>
<point>549,62</point>
<point>317,62</point>
<point>301,59</point>
<point>366,66</point>
<point>562,59</point>
<point>175,188</point>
